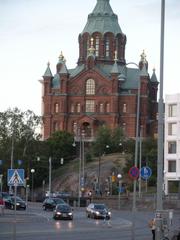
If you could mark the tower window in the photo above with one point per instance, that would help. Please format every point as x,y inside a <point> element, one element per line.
<point>90,87</point>
<point>107,48</point>
<point>97,46</point>
<point>90,105</point>
<point>87,46</point>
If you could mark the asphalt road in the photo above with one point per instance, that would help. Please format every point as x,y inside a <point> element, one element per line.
<point>36,224</point>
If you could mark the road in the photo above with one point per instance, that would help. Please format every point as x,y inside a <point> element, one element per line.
<point>36,224</point>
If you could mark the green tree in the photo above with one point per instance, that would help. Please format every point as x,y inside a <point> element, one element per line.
<point>18,131</point>
<point>60,146</point>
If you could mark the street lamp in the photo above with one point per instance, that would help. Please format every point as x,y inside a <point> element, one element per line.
<point>119,176</point>
<point>32,187</point>
<point>122,78</point>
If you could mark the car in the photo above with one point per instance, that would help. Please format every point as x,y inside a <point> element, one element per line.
<point>10,203</point>
<point>63,211</point>
<point>50,203</point>
<point>98,210</point>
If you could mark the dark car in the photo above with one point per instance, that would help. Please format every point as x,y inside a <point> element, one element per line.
<point>98,210</point>
<point>50,203</point>
<point>63,211</point>
<point>10,203</point>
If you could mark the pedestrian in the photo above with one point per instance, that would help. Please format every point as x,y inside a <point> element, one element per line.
<point>2,206</point>
<point>152,225</point>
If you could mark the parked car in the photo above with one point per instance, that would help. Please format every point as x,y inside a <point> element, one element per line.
<point>50,203</point>
<point>10,203</point>
<point>98,210</point>
<point>63,211</point>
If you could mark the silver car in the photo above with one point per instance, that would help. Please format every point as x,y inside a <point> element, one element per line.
<point>98,210</point>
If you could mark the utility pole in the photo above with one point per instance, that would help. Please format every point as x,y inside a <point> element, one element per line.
<point>50,170</point>
<point>159,204</point>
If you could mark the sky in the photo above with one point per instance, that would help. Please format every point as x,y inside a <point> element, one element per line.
<point>33,32</point>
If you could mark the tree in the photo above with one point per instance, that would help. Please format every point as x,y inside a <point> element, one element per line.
<point>18,131</point>
<point>60,146</point>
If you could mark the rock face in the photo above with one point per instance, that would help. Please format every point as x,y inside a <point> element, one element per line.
<point>102,168</point>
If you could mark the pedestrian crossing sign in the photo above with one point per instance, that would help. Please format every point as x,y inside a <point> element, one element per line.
<point>16,177</point>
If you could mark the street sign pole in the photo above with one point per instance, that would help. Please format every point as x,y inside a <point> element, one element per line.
<point>14,225</point>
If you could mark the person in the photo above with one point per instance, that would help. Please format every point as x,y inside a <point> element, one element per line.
<point>2,206</point>
<point>152,225</point>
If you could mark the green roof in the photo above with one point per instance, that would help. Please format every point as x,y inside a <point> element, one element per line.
<point>102,19</point>
<point>47,72</point>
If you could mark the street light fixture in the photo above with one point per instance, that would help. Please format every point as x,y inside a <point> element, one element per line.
<point>122,77</point>
<point>32,187</point>
<point>119,176</point>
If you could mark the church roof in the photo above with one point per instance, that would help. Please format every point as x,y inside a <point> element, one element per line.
<point>102,19</point>
<point>48,71</point>
<point>154,77</point>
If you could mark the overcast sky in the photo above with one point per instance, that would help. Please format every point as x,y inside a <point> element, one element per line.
<point>33,32</point>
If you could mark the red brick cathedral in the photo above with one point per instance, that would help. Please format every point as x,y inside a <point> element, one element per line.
<point>102,89</point>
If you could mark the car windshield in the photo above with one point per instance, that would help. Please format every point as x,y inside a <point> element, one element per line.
<point>98,206</point>
<point>18,199</point>
<point>63,207</point>
<point>58,200</point>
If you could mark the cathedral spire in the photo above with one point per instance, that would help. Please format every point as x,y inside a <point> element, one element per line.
<point>48,71</point>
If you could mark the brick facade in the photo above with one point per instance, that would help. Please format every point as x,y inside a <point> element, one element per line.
<point>93,94</point>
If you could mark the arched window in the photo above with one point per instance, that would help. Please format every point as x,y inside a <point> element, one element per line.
<point>72,108</point>
<point>87,46</point>
<point>90,87</point>
<point>124,108</point>
<point>107,48</point>
<point>97,46</point>
<point>55,126</point>
<point>56,107</point>
<point>101,108</point>
<point>107,107</point>
<point>78,108</point>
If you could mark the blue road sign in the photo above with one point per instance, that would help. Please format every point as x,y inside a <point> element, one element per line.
<point>15,177</point>
<point>145,172</point>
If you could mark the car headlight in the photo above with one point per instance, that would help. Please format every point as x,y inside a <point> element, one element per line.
<point>97,212</point>
<point>109,213</point>
<point>70,213</point>
<point>17,204</point>
<point>58,213</point>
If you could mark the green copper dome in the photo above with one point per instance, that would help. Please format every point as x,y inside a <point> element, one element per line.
<point>102,19</point>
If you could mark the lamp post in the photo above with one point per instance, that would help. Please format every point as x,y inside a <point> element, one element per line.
<point>140,160</point>
<point>78,139</point>
<point>99,170</point>
<point>32,187</point>
<point>119,176</point>
<point>159,203</point>
<point>50,178</point>
<point>122,77</point>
